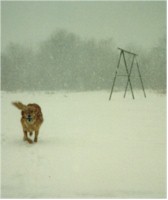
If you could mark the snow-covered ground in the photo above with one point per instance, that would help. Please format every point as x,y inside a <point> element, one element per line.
<point>88,147</point>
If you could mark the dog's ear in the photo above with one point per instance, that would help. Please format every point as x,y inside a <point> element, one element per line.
<point>38,111</point>
<point>19,105</point>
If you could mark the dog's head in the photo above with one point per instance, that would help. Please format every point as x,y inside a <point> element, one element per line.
<point>30,113</point>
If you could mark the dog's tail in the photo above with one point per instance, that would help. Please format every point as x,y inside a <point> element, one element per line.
<point>19,105</point>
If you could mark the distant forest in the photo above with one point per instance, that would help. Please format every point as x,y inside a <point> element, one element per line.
<point>67,62</point>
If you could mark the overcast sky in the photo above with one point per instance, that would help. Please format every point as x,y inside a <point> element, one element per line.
<point>141,23</point>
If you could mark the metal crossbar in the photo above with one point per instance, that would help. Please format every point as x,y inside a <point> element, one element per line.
<point>128,72</point>
<point>127,51</point>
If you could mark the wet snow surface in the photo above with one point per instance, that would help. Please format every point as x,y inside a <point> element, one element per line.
<point>88,147</point>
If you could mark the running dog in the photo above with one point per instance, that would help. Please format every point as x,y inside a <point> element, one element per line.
<point>31,119</point>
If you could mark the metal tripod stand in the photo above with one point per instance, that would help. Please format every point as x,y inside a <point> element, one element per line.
<point>128,72</point>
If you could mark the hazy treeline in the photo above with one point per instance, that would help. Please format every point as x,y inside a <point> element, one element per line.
<point>66,62</point>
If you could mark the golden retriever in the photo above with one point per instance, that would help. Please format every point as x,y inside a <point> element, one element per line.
<point>31,119</point>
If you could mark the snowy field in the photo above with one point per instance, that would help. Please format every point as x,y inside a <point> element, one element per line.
<point>88,147</point>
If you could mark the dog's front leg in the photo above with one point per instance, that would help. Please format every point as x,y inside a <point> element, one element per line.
<point>26,137</point>
<point>36,136</point>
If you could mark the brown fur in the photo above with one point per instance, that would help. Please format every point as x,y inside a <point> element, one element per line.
<point>31,119</point>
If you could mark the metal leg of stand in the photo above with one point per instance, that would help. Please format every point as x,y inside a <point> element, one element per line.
<point>129,75</point>
<point>141,79</point>
<point>115,77</point>
<point>129,81</point>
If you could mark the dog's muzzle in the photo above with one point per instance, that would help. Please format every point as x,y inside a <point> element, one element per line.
<point>29,118</point>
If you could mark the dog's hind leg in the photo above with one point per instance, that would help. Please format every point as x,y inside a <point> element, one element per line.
<point>26,137</point>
